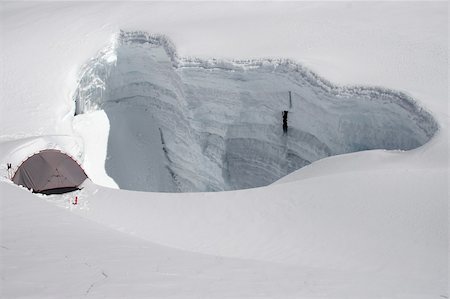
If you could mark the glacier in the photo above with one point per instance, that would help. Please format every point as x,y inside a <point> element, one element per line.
<point>183,124</point>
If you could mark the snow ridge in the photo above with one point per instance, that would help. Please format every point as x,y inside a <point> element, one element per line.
<point>157,40</point>
<point>216,124</point>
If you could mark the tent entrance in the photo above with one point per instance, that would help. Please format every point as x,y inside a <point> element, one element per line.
<point>58,190</point>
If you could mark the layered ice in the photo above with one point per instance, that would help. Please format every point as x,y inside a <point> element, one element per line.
<point>188,124</point>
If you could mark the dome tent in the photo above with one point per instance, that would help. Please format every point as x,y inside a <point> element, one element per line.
<point>50,172</point>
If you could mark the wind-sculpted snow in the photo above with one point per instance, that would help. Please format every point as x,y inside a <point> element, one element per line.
<point>184,124</point>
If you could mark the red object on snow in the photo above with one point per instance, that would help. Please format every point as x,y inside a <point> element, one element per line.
<point>76,200</point>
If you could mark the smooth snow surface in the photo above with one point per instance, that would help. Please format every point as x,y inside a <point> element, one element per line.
<point>217,125</point>
<point>371,224</point>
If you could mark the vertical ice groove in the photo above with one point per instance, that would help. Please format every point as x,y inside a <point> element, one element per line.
<point>211,125</point>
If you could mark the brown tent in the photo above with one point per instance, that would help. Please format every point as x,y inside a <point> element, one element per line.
<point>50,172</point>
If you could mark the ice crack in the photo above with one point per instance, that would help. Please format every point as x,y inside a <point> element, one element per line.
<point>181,125</point>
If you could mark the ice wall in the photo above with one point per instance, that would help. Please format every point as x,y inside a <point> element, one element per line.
<point>180,124</point>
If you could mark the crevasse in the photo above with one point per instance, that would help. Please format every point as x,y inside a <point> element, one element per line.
<point>183,125</point>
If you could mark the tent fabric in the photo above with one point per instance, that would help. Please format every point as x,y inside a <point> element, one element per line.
<point>49,170</point>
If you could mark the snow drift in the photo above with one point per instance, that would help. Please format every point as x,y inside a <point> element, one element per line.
<point>216,125</point>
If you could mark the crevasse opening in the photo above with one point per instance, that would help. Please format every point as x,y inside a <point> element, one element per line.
<point>187,124</point>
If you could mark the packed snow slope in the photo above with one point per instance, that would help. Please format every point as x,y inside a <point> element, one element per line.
<point>217,125</point>
<point>271,242</point>
<point>371,224</point>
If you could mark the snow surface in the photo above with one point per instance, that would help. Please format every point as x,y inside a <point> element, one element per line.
<point>372,224</point>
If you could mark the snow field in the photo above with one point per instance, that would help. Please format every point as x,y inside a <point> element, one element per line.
<point>372,224</point>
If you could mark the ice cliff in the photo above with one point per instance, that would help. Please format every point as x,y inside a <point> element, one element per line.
<point>187,124</point>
